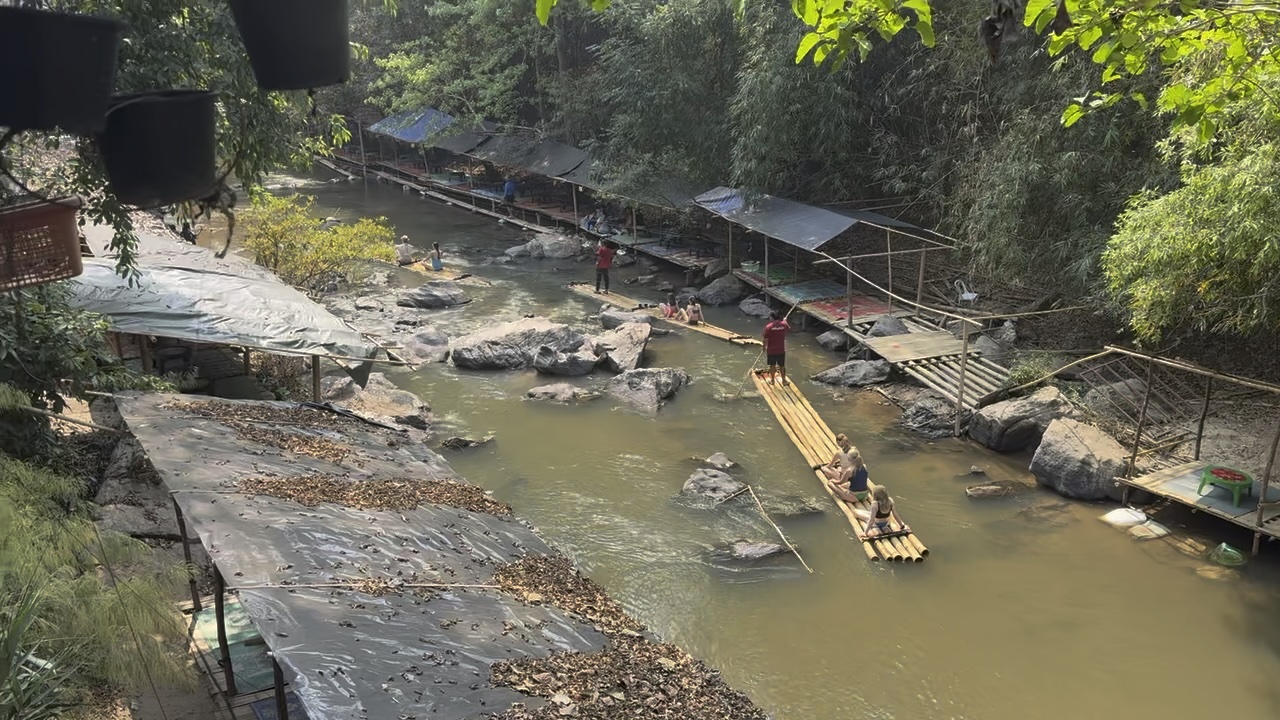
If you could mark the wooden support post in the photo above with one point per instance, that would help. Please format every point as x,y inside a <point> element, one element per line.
<point>766,262</point>
<point>729,228</point>
<point>1142,419</point>
<point>360,132</point>
<point>315,378</point>
<point>1262,493</point>
<point>633,225</point>
<point>248,365</point>
<point>220,618</point>
<point>144,353</point>
<point>186,555</point>
<point>848,295</point>
<point>282,702</point>
<point>576,223</point>
<point>920,279</point>
<point>964,366</point>
<point>888,246</point>
<point>1204,413</point>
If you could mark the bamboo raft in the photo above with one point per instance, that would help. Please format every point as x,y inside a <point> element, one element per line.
<point>633,305</point>
<point>817,444</point>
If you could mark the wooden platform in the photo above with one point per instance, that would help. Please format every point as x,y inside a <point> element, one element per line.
<point>915,346</point>
<point>1180,484</point>
<point>631,304</point>
<point>817,444</point>
<point>982,377</point>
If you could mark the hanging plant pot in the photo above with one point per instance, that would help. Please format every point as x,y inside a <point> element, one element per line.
<point>39,243</point>
<point>58,70</point>
<point>159,147</point>
<point>295,44</point>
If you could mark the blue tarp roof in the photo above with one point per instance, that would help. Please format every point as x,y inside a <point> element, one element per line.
<point>797,224</point>
<point>413,126</point>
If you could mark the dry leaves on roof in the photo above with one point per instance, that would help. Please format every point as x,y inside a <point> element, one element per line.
<point>552,578</point>
<point>388,494</point>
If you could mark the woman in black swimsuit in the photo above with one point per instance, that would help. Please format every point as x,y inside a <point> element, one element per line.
<point>881,514</point>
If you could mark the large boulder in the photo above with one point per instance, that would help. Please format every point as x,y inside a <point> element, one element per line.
<point>795,505</point>
<point>888,325</point>
<point>756,306</point>
<point>834,340</point>
<point>1079,461</point>
<point>931,416</point>
<point>379,399</point>
<point>748,550</point>
<point>612,317</point>
<point>712,484</point>
<point>434,294</point>
<point>513,344</point>
<point>722,291</point>
<point>579,362</point>
<point>553,246</point>
<point>1019,423</point>
<point>648,387</point>
<point>685,294</point>
<point>621,349</point>
<point>716,268</point>
<point>560,392</point>
<point>428,345</point>
<point>991,349</point>
<point>855,373</point>
<point>719,461</point>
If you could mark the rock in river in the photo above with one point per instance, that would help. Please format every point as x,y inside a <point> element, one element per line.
<point>547,245</point>
<point>888,325</point>
<point>750,550</point>
<point>711,484</point>
<point>648,387</point>
<point>722,291</point>
<point>622,349</point>
<point>579,362</point>
<point>612,318</point>
<point>560,392</point>
<point>434,294</point>
<point>1079,461</point>
<point>755,306</point>
<point>379,399</point>
<point>834,340</point>
<point>855,373</point>
<point>513,344</point>
<point>720,461</point>
<point>1018,424</point>
<point>931,416</point>
<point>428,345</point>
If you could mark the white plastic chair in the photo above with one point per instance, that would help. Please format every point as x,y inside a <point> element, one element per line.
<point>966,295</point>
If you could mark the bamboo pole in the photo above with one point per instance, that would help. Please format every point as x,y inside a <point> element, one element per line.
<point>315,378</point>
<point>766,262</point>
<point>1196,369</point>
<point>248,365</point>
<point>1204,414</point>
<point>759,355</point>
<point>1042,378</point>
<point>964,366</point>
<point>779,531</point>
<point>352,583</point>
<point>282,701</point>
<point>360,132</point>
<point>888,244</point>
<point>1262,494</point>
<point>865,256</point>
<point>186,555</point>
<point>729,228</point>
<point>64,418</point>
<point>1142,419</point>
<point>220,618</point>
<point>848,296</point>
<point>920,279</point>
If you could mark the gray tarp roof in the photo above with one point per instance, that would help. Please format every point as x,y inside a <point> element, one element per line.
<point>183,292</point>
<point>875,218</point>
<point>803,226</point>
<point>349,655</point>
<point>413,126</point>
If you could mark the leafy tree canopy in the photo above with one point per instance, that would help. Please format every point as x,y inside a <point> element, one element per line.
<point>282,235</point>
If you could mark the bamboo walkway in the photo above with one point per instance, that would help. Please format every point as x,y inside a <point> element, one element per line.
<point>817,444</point>
<point>631,304</point>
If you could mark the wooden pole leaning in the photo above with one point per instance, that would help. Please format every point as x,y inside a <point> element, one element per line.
<point>779,531</point>
<point>1204,414</point>
<point>1262,494</point>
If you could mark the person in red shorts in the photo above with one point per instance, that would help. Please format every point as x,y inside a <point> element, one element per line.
<point>775,346</point>
<point>604,261</point>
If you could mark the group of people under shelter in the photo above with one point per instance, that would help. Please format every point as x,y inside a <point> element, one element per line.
<point>848,478</point>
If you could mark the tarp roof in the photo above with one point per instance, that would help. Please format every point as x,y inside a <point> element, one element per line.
<point>555,159</point>
<point>346,654</point>
<point>413,126</point>
<point>797,224</point>
<point>875,218</point>
<point>460,143</point>
<point>508,150</point>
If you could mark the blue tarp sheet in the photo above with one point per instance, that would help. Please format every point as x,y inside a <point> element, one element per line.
<point>803,226</point>
<point>413,126</point>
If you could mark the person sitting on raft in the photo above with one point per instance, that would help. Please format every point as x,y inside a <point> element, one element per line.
<point>404,252</point>
<point>840,467</point>
<point>692,313</point>
<point>437,257</point>
<point>880,515</point>
<point>669,308</point>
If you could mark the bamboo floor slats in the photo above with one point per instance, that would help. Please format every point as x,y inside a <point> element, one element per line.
<point>817,444</point>
<point>982,377</point>
<point>632,304</point>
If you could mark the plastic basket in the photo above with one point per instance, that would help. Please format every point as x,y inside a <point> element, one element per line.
<point>39,243</point>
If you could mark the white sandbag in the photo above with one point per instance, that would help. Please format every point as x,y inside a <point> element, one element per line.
<point>1149,530</point>
<point>1123,518</point>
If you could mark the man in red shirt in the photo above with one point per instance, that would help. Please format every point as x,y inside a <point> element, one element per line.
<point>604,261</point>
<point>775,346</point>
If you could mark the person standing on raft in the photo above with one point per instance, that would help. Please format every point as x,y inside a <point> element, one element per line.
<point>775,346</point>
<point>437,257</point>
<point>878,518</point>
<point>604,261</point>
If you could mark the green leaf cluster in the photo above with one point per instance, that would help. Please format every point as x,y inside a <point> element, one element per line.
<point>283,235</point>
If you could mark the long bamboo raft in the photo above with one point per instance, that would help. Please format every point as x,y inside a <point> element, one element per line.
<point>632,304</point>
<point>817,444</point>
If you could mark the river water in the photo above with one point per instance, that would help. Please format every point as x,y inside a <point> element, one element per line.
<point>1028,607</point>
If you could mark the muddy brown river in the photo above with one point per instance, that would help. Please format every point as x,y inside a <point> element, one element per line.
<point>1028,607</point>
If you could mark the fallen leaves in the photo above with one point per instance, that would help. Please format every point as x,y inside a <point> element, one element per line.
<point>389,494</point>
<point>247,421</point>
<point>553,579</point>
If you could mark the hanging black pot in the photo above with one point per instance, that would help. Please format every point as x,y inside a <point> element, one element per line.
<point>295,44</point>
<point>58,70</point>
<point>159,147</point>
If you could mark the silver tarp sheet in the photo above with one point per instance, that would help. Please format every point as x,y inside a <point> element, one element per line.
<point>349,655</point>
<point>803,226</point>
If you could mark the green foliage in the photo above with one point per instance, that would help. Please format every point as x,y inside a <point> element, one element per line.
<point>285,237</point>
<point>31,687</point>
<point>81,592</point>
<point>1031,366</point>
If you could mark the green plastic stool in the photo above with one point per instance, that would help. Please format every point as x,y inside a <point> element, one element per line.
<point>1235,487</point>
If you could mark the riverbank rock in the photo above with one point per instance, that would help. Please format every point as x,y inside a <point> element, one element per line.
<point>621,350</point>
<point>755,306</point>
<point>716,268</point>
<point>711,484</point>
<point>931,416</point>
<point>748,550</point>
<point>380,399</point>
<point>722,291</point>
<point>428,345</point>
<point>433,295</point>
<point>990,490</point>
<point>855,373</point>
<point>992,350</point>
<point>720,461</point>
<point>561,392</point>
<point>834,340</point>
<point>612,318</point>
<point>368,303</point>
<point>549,246</point>
<point>132,498</point>
<point>1018,424</point>
<point>1078,461</point>
<point>461,443</point>
<point>512,344</point>
<point>648,387</point>
<point>685,294</point>
<point>888,325</point>
<point>579,362</point>
<point>794,505</point>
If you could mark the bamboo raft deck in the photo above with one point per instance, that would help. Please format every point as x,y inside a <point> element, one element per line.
<point>632,304</point>
<point>817,444</point>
